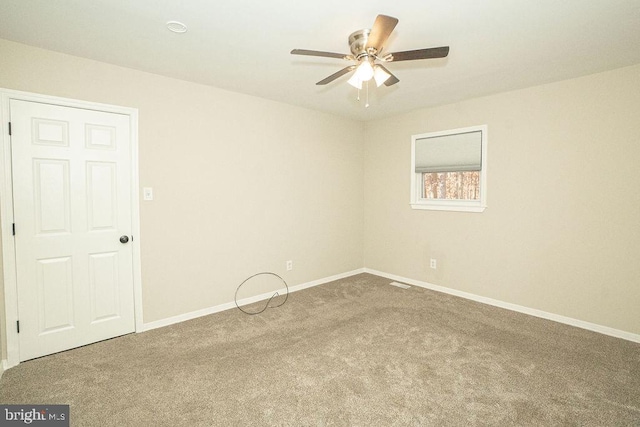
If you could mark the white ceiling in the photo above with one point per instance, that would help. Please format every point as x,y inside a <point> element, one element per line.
<point>244,45</point>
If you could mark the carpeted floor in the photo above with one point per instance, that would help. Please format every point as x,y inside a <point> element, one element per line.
<point>352,352</point>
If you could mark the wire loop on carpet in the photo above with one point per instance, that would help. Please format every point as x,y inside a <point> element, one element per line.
<point>276,294</point>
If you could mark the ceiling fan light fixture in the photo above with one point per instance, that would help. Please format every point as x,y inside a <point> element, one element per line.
<point>364,71</point>
<point>355,81</point>
<point>380,75</point>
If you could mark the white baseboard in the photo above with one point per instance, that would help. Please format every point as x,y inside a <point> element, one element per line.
<point>229,305</point>
<point>513,307</point>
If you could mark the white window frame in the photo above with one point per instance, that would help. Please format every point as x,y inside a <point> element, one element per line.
<point>417,182</point>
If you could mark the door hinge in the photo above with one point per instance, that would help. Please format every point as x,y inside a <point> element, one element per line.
<point>18,325</point>
<point>14,228</point>
<point>9,128</point>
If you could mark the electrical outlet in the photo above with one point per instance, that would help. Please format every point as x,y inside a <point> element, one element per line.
<point>289,265</point>
<point>433,264</point>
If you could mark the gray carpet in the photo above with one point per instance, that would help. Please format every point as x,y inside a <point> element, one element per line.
<point>352,352</point>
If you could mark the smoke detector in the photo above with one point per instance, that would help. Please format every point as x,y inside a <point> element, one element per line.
<point>176,27</point>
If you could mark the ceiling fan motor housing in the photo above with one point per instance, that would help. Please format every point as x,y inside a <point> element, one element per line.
<point>358,43</point>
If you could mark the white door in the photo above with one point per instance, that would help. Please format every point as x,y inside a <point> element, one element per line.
<point>72,205</point>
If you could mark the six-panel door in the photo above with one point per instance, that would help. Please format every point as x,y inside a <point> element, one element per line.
<point>72,186</point>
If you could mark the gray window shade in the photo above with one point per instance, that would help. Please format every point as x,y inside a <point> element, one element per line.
<point>449,153</point>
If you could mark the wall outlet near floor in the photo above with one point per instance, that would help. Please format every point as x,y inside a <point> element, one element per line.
<point>289,265</point>
<point>433,264</point>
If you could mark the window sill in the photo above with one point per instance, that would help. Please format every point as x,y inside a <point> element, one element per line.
<point>449,206</point>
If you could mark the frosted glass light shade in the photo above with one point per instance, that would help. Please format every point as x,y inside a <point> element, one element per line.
<point>355,81</point>
<point>365,71</point>
<point>380,75</point>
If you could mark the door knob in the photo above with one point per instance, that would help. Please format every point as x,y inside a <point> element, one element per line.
<point>124,239</point>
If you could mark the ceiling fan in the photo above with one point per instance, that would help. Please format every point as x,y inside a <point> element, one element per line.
<point>367,47</point>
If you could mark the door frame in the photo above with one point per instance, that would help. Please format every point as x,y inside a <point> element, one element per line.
<point>10,283</point>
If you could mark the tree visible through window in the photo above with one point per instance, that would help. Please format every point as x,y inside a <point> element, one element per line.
<point>451,185</point>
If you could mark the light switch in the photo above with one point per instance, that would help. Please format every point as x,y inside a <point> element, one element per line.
<point>147,193</point>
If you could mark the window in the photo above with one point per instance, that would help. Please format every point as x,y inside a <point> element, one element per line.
<point>449,170</point>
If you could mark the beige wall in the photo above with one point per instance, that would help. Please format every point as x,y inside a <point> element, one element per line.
<point>561,232</point>
<point>241,184</point>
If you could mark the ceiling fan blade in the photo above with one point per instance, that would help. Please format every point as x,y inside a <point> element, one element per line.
<point>409,55</point>
<point>334,76</point>
<point>391,80</point>
<point>382,28</point>
<point>319,53</point>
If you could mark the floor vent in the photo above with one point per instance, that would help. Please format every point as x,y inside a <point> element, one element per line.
<point>400,285</point>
